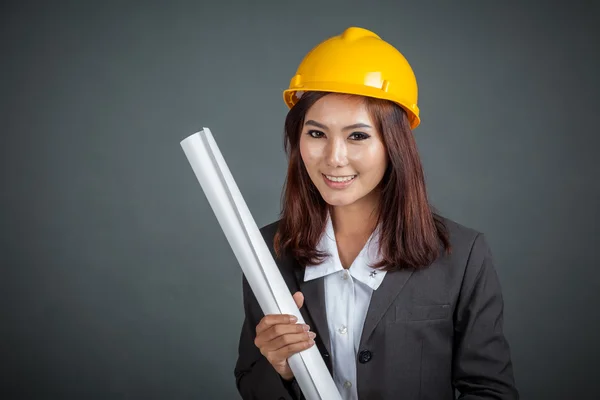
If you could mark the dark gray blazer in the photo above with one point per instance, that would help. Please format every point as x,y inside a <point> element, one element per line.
<point>427,332</point>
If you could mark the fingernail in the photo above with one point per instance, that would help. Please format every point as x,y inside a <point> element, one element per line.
<point>306,328</point>
<point>312,335</point>
<point>293,318</point>
<point>311,342</point>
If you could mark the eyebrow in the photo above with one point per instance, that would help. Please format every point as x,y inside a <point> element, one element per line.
<point>353,126</point>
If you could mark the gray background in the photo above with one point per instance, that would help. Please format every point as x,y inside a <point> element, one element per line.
<point>116,280</point>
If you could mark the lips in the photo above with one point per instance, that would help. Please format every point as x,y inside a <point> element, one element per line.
<point>341,182</point>
<point>345,178</point>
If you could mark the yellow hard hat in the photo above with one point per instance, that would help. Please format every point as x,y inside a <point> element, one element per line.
<point>357,62</point>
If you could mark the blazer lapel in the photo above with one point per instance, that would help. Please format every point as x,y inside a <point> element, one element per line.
<point>382,298</point>
<point>314,302</point>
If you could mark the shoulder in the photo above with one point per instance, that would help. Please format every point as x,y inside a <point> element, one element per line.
<point>268,231</point>
<point>471,256</point>
<point>286,265</point>
<point>464,239</point>
<point>469,245</point>
<point>285,262</point>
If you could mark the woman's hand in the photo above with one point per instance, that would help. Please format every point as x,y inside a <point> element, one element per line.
<point>278,337</point>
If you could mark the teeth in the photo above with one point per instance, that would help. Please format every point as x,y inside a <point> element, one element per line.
<point>340,179</point>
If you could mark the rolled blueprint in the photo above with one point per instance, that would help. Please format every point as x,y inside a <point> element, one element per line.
<point>253,255</point>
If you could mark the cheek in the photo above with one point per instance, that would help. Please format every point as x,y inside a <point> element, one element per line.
<point>370,159</point>
<point>302,148</point>
<point>382,159</point>
<point>310,153</point>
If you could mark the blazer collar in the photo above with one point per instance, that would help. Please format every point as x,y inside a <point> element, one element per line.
<point>382,299</point>
<point>314,302</point>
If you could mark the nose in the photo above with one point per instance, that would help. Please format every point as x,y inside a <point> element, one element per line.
<point>336,153</point>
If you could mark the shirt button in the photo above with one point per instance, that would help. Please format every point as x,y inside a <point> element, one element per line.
<point>343,329</point>
<point>345,275</point>
<point>347,384</point>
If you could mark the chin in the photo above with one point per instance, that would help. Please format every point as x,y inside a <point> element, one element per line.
<point>339,201</point>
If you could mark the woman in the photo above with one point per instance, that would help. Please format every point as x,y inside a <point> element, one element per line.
<point>401,302</point>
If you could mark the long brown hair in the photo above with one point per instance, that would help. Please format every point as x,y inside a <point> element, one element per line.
<point>411,233</point>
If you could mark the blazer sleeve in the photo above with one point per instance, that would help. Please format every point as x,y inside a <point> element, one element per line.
<point>482,366</point>
<point>255,377</point>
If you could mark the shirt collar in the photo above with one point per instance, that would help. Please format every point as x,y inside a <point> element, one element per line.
<point>360,267</point>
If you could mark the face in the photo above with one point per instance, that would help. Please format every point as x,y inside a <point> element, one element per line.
<point>343,152</point>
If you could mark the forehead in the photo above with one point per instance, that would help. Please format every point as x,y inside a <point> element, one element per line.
<point>336,108</point>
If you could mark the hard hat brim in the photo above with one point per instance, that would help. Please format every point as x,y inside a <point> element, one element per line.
<point>412,110</point>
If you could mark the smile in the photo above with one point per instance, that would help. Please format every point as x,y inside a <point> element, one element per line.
<point>338,182</point>
<point>340,178</point>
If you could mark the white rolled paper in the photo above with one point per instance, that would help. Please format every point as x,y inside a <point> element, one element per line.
<point>254,256</point>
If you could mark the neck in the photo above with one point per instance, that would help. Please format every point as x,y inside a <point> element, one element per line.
<point>358,219</point>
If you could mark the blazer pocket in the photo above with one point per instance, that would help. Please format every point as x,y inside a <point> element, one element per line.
<point>422,312</point>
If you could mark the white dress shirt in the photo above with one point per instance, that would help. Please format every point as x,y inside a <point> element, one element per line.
<point>347,298</point>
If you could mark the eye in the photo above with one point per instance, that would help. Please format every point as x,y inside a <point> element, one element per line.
<point>359,136</point>
<point>315,134</point>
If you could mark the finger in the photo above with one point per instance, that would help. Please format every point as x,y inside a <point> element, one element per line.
<point>282,354</point>
<point>299,299</point>
<point>279,330</point>
<point>273,319</point>
<point>289,339</point>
